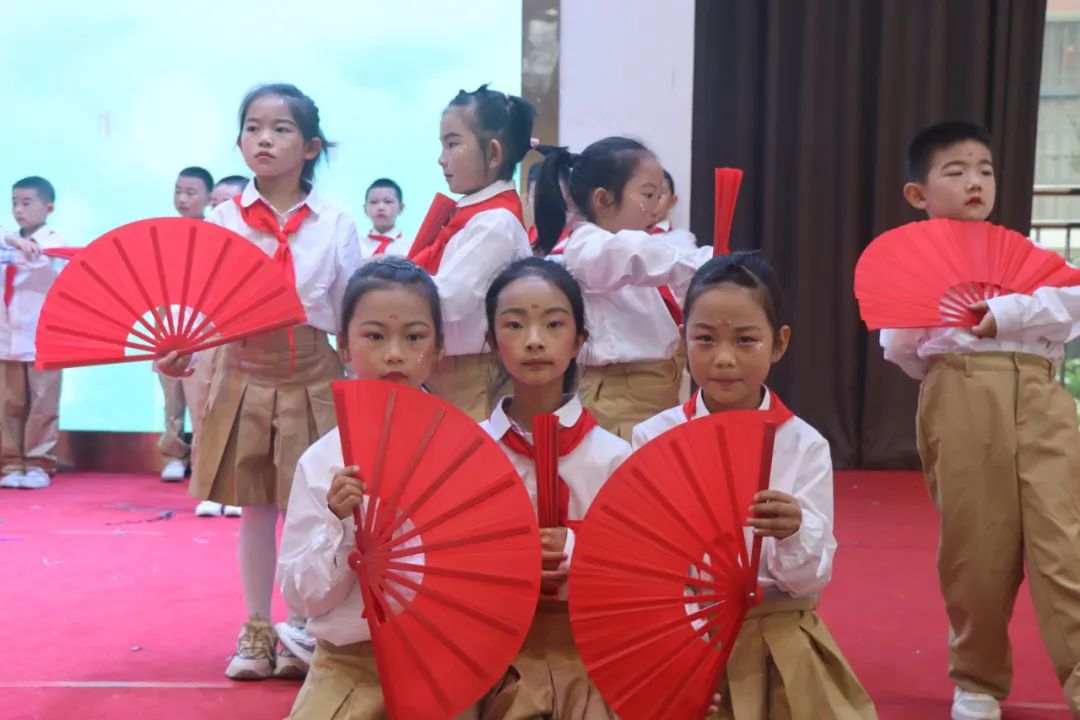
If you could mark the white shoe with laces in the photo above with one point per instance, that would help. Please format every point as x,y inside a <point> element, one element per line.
<point>294,637</point>
<point>36,479</point>
<point>12,480</point>
<point>968,705</point>
<point>208,508</point>
<point>173,471</point>
<point>255,651</point>
<point>231,511</point>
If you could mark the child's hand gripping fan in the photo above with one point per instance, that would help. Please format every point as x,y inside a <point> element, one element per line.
<point>928,274</point>
<point>158,286</point>
<point>662,575</point>
<point>448,550</point>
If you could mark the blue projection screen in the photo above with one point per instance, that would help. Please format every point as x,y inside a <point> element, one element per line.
<point>109,100</point>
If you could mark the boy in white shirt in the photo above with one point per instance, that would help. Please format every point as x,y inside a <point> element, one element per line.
<point>383,204</point>
<point>30,421</point>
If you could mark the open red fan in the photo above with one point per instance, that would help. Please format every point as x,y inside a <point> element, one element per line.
<point>448,556</point>
<point>155,286</point>
<point>437,216</point>
<point>662,578</point>
<point>927,274</point>
<point>728,181</point>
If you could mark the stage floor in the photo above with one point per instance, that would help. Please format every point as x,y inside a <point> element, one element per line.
<point>115,609</point>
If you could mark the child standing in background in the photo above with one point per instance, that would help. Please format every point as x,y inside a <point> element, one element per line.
<point>30,421</point>
<point>383,204</point>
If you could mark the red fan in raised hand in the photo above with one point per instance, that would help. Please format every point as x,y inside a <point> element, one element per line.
<point>161,285</point>
<point>929,274</point>
<point>662,576</point>
<point>448,553</point>
<point>728,181</point>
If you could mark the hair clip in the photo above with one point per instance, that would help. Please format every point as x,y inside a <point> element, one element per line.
<point>533,142</point>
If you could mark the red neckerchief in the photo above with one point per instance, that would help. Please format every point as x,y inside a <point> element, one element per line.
<point>666,295</point>
<point>568,439</point>
<point>260,216</point>
<point>778,411</point>
<point>9,283</point>
<point>533,234</point>
<point>560,244</point>
<point>383,240</point>
<point>430,257</point>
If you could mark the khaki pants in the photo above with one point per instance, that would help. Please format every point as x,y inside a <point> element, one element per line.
<point>622,395</point>
<point>190,394</point>
<point>999,444</point>
<point>30,423</point>
<point>468,382</point>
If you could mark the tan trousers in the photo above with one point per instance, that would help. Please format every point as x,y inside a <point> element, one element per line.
<point>343,684</point>
<point>468,382</point>
<point>999,444</point>
<point>30,422</point>
<point>622,395</point>
<point>190,394</point>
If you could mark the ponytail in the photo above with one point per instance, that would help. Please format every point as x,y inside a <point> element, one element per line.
<point>506,118</point>
<point>550,212</point>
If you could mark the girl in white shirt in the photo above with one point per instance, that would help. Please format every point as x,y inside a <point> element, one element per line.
<point>536,324</point>
<point>391,330</point>
<point>484,135</point>
<point>784,656</point>
<point>270,397</point>
<point>630,280</point>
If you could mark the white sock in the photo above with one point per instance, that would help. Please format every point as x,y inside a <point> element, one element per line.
<point>258,557</point>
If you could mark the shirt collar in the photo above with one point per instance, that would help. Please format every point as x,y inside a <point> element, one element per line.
<point>394,233</point>
<point>701,411</point>
<point>568,416</point>
<point>664,225</point>
<point>251,195</point>
<point>487,193</point>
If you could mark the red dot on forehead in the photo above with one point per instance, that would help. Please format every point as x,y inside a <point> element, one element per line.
<point>393,317</point>
<point>535,307</point>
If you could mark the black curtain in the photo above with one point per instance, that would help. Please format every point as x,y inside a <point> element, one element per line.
<point>817,100</point>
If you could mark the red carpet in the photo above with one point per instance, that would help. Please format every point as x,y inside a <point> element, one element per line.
<point>111,613</point>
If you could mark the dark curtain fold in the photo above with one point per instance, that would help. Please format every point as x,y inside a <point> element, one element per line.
<point>817,100</point>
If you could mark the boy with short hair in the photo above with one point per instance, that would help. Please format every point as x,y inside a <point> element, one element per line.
<point>192,192</point>
<point>30,419</point>
<point>383,204</point>
<point>227,188</point>
<point>999,444</point>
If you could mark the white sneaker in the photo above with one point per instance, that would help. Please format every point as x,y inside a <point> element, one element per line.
<point>254,658</point>
<point>35,479</point>
<point>295,638</point>
<point>12,479</point>
<point>231,510</point>
<point>974,706</point>
<point>173,471</point>
<point>208,508</point>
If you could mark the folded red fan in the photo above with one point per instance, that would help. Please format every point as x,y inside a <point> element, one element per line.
<point>62,253</point>
<point>448,555</point>
<point>928,274</point>
<point>662,577</point>
<point>728,181</point>
<point>438,214</point>
<point>161,285</point>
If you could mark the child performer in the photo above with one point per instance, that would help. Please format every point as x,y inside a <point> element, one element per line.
<point>998,441</point>
<point>227,188</point>
<point>30,422</point>
<point>383,204</point>
<point>484,135</point>
<point>664,227</point>
<point>391,330</point>
<point>272,398</point>
<point>536,324</point>
<point>630,280</point>
<point>785,662</point>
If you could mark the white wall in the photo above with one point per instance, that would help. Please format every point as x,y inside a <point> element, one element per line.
<point>626,67</point>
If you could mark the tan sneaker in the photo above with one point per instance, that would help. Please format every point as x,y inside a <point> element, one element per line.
<point>254,658</point>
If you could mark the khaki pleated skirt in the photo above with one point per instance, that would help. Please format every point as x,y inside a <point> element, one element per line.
<point>786,666</point>
<point>262,414</point>
<point>621,395</point>
<point>548,678</point>
<point>468,382</point>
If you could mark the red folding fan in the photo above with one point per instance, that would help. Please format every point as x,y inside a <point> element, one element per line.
<point>929,273</point>
<point>155,286</point>
<point>437,216</point>
<point>662,578</point>
<point>545,438</point>
<point>448,555</point>
<point>61,253</point>
<point>727,193</point>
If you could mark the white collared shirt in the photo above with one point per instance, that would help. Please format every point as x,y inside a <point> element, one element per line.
<point>368,244</point>
<point>619,275</point>
<point>680,238</point>
<point>1050,315</point>
<point>325,251</point>
<point>799,565</point>
<point>585,469</point>
<point>33,278</point>
<point>488,242</point>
